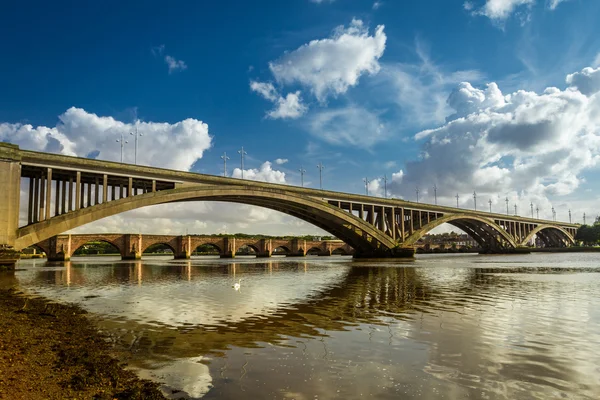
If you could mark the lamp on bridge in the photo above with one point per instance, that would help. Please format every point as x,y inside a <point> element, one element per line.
<point>122,141</point>
<point>302,171</point>
<point>242,154</point>
<point>366,181</point>
<point>320,166</point>
<point>136,134</point>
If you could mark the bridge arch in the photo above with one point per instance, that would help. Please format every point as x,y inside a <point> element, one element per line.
<point>286,250</point>
<point>362,236</point>
<point>76,245</point>
<point>213,246</point>
<point>551,235</point>
<point>154,243</point>
<point>483,230</point>
<point>314,251</point>
<point>249,246</point>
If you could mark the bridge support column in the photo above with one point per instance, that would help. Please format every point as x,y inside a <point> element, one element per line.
<point>298,248</point>
<point>10,190</point>
<point>59,248</point>
<point>133,247</point>
<point>183,248</point>
<point>229,248</point>
<point>266,248</point>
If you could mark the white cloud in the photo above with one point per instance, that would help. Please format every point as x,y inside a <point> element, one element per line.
<point>80,133</point>
<point>328,67</point>
<point>289,107</point>
<point>348,126</point>
<point>587,81</point>
<point>523,145</point>
<point>285,107</point>
<point>265,173</point>
<point>321,1</point>
<point>500,10</point>
<point>596,62</point>
<point>175,65</point>
<point>281,161</point>
<point>265,89</point>
<point>377,5</point>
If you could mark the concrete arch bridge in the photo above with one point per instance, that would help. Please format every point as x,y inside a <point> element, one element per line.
<point>64,193</point>
<point>132,246</point>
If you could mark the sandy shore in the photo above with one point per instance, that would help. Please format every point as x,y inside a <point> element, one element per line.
<point>53,351</point>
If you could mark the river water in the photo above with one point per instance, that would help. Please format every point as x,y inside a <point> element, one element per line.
<point>438,327</point>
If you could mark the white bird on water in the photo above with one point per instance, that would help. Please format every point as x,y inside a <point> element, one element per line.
<point>237,285</point>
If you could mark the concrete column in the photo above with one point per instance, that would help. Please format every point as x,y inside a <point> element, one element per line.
<point>48,192</point>
<point>153,185</point>
<point>130,187</point>
<point>64,197</point>
<point>57,198</point>
<point>381,218</point>
<point>412,226</point>
<point>78,191</point>
<point>104,188</point>
<point>120,191</point>
<point>402,224</point>
<point>361,212</point>
<point>97,192</point>
<point>372,215</point>
<point>89,195</point>
<point>71,194</point>
<point>113,192</point>
<point>42,192</point>
<point>393,223</point>
<point>36,199</point>
<point>10,182</point>
<point>30,210</point>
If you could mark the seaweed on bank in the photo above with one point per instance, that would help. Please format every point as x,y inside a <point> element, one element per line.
<point>52,351</point>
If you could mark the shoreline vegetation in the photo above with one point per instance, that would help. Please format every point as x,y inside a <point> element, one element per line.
<point>52,350</point>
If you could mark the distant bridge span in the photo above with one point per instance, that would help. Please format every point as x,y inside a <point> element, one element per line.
<point>132,246</point>
<point>67,192</point>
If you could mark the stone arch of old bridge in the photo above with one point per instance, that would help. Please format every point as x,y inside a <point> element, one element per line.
<point>132,246</point>
<point>64,193</point>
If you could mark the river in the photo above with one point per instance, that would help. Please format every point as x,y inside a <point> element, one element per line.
<point>437,327</point>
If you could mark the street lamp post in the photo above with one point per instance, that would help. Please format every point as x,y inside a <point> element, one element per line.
<point>490,201</point>
<point>136,134</point>
<point>224,158</point>
<point>435,194</point>
<point>417,190</point>
<point>506,205</point>
<point>584,218</point>
<point>475,200</point>
<point>531,209</point>
<point>456,200</point>
<point>320,166</point>
<point>553,214</point>
<point>366,181</point>
<point>302,171</point>
<point>515,209</point>
<point>122,141</point>
<point>242,153</point>
<point>569,216</point>
<point>537,211</point>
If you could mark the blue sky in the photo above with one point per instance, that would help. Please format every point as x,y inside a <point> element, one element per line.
<point>349,83</point>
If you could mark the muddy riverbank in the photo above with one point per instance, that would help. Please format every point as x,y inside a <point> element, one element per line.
<point>53,351</point>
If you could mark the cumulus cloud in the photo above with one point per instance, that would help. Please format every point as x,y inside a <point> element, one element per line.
<point>523,145</point>
<point>328,67</point>
<point>265,173</point>
<point>80,133</point>
<point>281,161</point>
<point>290,106</point>
<point>587,81</point>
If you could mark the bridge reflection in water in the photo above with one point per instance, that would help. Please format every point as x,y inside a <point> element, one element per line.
<point>340,329</point>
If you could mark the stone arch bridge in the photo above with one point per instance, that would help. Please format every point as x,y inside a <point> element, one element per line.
<point>63,193</point>
<point>131,246</point>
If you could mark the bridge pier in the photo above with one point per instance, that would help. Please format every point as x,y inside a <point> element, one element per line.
<point>10,183</point>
